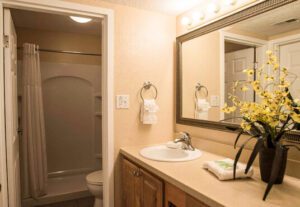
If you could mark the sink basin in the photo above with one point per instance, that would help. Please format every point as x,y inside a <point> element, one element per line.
<point>165,154</point>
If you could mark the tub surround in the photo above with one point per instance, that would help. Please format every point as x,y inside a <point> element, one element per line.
<point>191,178</point>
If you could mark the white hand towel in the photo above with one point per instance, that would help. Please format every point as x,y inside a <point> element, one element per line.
<point>148,111</point>
<point>223,169</point>
<point>201,109</point>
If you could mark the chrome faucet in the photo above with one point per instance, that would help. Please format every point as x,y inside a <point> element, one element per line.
<point>186,141</point>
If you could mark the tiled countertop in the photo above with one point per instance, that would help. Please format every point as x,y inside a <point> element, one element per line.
<point>198,182</point>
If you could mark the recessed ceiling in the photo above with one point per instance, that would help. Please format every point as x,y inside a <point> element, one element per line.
<point>281,20</point>
<point>53,22</point>
<point>170,7</point>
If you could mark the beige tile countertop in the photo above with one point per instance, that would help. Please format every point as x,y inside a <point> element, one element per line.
<point>201,184</point>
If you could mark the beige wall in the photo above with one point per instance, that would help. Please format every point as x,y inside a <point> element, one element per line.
<point>144,51</point>
<point>201,63</point>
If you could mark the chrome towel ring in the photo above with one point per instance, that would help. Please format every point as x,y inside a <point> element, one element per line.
<point>198,88</point>
<point>147,85</point>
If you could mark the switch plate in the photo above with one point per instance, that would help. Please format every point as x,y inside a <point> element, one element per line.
<point>122,102</point>
<point>214,100</point>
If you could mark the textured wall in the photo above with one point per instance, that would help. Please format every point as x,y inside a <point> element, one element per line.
<point>144,51</point>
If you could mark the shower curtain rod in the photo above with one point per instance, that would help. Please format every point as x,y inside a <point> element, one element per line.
<point>65,51</point>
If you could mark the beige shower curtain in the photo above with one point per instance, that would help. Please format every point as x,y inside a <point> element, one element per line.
<point>34,157</point>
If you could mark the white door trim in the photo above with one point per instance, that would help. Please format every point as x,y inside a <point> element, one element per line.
<point>62,7</point>
<point>224,35</point>
<point>276,43</point>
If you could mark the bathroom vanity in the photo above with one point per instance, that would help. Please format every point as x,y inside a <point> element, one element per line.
<point>148,183</point>
<point>141,188</point>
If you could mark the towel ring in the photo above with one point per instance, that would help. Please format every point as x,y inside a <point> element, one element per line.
<point>198,88</point>
<point>147,85</point>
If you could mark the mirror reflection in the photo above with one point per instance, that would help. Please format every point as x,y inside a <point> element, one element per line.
<point>212,63</point>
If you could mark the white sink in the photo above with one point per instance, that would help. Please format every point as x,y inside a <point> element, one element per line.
<point>165,154</point>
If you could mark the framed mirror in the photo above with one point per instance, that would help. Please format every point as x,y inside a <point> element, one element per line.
<point>212,58</point>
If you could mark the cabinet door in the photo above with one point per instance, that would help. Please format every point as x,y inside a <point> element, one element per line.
<point>192,202</point>
<point>131,185</point>
<point>174,197</point>
<point>152,190</point>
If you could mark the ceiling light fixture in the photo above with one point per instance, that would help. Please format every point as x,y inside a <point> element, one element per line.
<point>197,16</point>
<point>185,21</point>
<point>230,2</point>
<point>213,8</point>
<point>81,20</point>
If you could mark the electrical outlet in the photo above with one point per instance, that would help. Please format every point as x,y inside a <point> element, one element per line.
<point>214,100</point>
<point>122,102</point>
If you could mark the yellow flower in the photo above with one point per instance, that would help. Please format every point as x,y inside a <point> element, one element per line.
<point>228,109</point>
<point>256,85</point>
<point>246,126</point>
<point>245,88</point>
<point>274,105</point>
<point>269,52</point>
<point>296,117</point>
<point>249,71</point>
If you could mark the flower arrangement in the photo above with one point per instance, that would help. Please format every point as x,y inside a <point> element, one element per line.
<point>267,119</point>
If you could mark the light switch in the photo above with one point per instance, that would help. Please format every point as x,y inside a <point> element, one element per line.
<point>122,102</point>
<point>214,100</point>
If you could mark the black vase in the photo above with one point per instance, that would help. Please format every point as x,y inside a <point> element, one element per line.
<point>266,158</point>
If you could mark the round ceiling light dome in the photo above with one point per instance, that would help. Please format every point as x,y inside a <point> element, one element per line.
<point>80,19</point>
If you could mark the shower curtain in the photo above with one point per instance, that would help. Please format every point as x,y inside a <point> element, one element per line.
<point>34,157</point>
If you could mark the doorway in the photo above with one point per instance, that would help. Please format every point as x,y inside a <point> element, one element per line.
<point>9,175</point>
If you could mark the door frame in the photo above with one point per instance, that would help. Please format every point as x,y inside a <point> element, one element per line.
<point>67,8</point>
<point>225,35</point>
<point>276,43</point>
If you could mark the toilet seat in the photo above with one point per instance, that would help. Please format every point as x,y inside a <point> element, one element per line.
<point>95,178</point>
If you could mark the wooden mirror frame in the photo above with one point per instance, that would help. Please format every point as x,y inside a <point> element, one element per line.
<point>247,13</point>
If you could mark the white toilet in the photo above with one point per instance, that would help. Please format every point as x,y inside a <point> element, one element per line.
<point>95,185</point>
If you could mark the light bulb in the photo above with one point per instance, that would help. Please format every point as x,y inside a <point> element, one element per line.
<point>197,16</point>
<point>230,2</point>
<point>81,19</point>
<point>185,21</point>
<point>213,8</point>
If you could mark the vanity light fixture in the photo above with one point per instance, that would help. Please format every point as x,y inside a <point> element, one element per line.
<point>213,8</point>
<point>230,2</point>
<point>185,21</point>
<point>198,16</point>
<point>81,20</point>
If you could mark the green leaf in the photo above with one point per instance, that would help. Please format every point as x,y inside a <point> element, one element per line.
<point>237,138</point>
<point>259,144</point>
<point>238,154</point>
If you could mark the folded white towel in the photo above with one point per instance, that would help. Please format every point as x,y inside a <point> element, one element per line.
<point>201,109</point>
<point>202,105</point>
<point>148,111</point>
<point>223,169</point>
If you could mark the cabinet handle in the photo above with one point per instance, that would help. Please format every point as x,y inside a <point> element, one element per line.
<point>138,173</point>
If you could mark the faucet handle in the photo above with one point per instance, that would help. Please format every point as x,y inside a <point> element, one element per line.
<point>185,135</point>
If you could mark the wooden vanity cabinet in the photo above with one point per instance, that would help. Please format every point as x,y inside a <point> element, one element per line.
<point>174,197</point>
<point>140,188</point>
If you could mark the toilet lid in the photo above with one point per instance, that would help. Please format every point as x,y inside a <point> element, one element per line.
<point>95,178</point>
